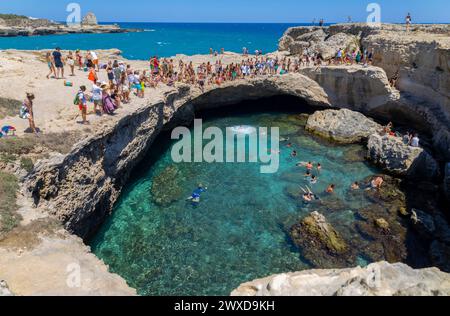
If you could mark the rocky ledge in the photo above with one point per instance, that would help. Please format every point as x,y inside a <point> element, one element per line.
<point>343,126</point>
<point>377,279</point>
<point>401,159</point>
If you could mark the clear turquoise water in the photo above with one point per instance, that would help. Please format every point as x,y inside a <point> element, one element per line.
<point>163,39</point>
<point>239,231</point>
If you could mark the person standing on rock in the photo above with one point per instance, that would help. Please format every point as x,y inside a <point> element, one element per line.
<point>408,20</point>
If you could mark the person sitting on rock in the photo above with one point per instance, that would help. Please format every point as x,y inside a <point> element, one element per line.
<point>415,141</point>
<point>376,183</point>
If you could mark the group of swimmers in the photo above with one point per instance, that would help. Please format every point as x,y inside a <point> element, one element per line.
<point>308,194</point>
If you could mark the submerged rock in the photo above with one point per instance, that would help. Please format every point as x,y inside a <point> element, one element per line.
<point>401,159</point>
<point>293,192</point>
<point>388,195</point>
<point>355,154</point>
<point>319,242</point>
<point>343,126</point>
<point>382,224</point>
<point>386,235</point>
<point>165,187</point>
<point>377,279</point>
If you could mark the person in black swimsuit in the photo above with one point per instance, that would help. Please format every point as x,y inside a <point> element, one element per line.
<point>59,64</point>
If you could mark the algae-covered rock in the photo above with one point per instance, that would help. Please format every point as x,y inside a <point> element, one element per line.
<point>403,211</point>
<point>385,234</point>
<point>388,194</point>
<point>382,223</point>
<point>320,243</point>
<point>165,187</point>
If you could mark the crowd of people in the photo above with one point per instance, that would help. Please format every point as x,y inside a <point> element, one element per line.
<point>123,80</point>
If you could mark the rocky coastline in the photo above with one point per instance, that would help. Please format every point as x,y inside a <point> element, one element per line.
<point>23,26</point>
<point>79,189</point>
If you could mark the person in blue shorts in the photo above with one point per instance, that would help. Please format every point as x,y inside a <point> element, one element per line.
<point>195,197</point>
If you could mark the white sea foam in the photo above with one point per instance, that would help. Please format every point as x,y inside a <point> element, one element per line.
<point>243,129</point>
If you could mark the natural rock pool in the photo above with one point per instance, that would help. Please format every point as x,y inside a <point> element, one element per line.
<point>163,245</point>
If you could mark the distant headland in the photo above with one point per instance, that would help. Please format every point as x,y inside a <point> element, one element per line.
<point>12,25</point>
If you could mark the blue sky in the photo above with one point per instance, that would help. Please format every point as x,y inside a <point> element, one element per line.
<point>289,11</point>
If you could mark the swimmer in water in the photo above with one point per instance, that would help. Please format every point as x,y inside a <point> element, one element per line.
<point>330,189</point>
<point>309,166</point>
<point>308,195</point>
<point>294,153</point>
<point>319,167</point>
<point>284,139</point>
<point>289,145</point>
<point>195,197</point>
<point>313,180</point>
<point>308,174</point>
<point>355,186</point>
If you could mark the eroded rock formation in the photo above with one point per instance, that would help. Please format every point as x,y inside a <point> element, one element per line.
<point>377,279</point>
<point>401,159</point>
<point>89,19</point>
<point>343,126</point>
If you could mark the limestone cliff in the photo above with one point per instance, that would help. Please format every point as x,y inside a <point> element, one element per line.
<point>420,60</point>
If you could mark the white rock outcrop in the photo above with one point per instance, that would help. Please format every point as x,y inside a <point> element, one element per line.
<point>377,279</point>
<point>90,19</point>
<point>343,126</point>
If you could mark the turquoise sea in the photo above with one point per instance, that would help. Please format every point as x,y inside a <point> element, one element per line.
<point>240,229</point>
<point>164,39</point>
